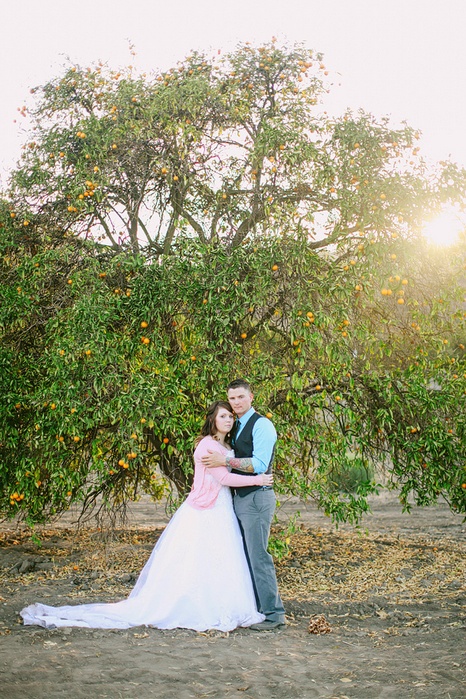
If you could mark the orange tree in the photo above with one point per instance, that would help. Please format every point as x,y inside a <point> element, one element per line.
<point>164,234</point>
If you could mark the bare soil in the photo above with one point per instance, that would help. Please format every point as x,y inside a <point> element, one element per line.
<point>393,594</point>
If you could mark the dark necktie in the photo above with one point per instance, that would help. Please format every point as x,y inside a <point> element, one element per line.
<point>234,431</point>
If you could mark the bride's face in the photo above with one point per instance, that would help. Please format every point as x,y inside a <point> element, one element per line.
<point>224,421</point>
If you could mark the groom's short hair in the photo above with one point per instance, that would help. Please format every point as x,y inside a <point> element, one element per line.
<point>239,383</point>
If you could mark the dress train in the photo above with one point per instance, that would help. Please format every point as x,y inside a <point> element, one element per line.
<point>196,577</point>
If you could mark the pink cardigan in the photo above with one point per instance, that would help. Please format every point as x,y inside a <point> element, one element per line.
<point>208,481</point>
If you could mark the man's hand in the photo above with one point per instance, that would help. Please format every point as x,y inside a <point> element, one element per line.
<point>213,459</point>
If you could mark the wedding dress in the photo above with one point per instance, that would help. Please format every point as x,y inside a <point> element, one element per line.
<point>197,577</point>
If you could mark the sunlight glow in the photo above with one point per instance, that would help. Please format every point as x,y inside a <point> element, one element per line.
<point>445,229</point>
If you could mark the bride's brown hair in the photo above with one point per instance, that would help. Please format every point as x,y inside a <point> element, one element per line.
<point>209,428</point>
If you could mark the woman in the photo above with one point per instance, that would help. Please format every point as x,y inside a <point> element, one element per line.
<point>197,575</point>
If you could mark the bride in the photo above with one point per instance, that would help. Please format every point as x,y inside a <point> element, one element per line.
<point>197,576</point>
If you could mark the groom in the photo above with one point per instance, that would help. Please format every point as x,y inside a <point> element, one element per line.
<point>253,441</point>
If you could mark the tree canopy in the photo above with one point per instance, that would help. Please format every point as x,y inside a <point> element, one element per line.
<point>164,234</point>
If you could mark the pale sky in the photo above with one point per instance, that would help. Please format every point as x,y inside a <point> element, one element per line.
<point>404,58</point>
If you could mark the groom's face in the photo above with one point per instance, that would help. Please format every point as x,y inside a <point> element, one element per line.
<point>240,400</point>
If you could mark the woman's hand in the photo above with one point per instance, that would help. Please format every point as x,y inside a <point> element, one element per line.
<point>267,479</point>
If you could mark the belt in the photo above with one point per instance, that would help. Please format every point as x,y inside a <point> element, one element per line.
<point>256,488</point>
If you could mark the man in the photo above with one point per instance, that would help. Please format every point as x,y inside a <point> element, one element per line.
<point>253,441</point>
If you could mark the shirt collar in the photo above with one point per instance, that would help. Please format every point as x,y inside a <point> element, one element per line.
<point>244,418</point>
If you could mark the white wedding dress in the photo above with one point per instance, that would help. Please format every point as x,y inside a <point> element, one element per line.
<point>197,577</point>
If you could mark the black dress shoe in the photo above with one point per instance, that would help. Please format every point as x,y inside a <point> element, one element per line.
<point>267,625</point>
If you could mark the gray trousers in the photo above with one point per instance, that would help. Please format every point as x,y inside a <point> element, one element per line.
<point>255,512</point>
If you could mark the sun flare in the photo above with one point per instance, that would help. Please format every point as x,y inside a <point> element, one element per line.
<point>444,230</point>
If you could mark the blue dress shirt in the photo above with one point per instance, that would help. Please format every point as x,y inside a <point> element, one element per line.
<point>264,437</point>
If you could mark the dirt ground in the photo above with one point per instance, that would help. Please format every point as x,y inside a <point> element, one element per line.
<point>393,594</point>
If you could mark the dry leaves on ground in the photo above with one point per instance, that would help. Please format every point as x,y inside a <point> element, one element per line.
<point>340,565</point>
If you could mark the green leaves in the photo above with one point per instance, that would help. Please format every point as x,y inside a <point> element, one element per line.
<point>107,380</point>
<point>164,234</point>
<point>218,150</point>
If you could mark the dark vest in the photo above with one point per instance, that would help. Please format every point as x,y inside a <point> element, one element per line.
<point>243,447</point>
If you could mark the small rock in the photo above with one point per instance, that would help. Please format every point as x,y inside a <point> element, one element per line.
<point>125,578</point>
<point>26,566</point>
<point>406,573</point>
<point>429,557</point>
<point>45,565</point>
<point>377,602</point>
<point>455,585</point>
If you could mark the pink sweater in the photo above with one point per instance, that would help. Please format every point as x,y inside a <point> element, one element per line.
<point>208,481</point>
